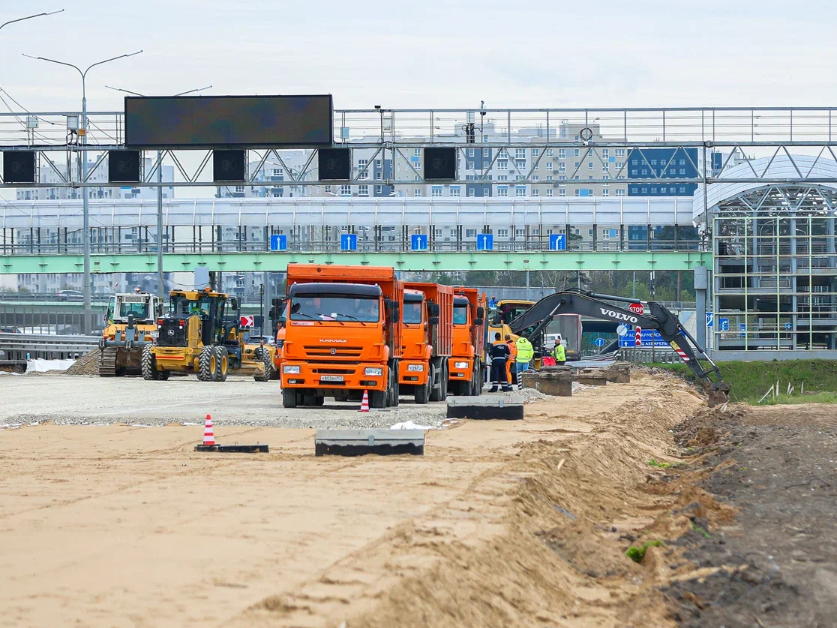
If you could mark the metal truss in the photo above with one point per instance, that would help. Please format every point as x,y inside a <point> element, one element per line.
<point>744,134</point>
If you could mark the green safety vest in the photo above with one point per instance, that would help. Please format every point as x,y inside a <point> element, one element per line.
<point>525,352</point>
<point>559,353</point>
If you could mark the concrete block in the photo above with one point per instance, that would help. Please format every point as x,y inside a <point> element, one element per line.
<point>590,380</point>
<point>382,442</point>
<point>485,407</point>
<point>555,383</point>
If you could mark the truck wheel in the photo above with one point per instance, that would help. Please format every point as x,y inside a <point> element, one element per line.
<point>222,366</point>
<point>434,377</point>
<point>474,384</point>
<point>207,365</point>
<point>443,384</point>
<point>268,365</point>
<point>378,398</point>
<point>319,401</point>
<point>289,398</point>
<point>163,375</point>
<point>149,365</point>
<point>274,373</point>
<point>393,388</point>
<point>423,392</point>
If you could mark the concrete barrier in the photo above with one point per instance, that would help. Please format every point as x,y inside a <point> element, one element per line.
<point>557,384</point>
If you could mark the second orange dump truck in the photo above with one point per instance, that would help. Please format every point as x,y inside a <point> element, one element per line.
<point>342,334</point>
<point>427,341</point>
<point>467,362</point>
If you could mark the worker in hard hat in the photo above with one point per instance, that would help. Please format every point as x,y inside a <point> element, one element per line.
<point>525,353</point>
<point>559,353</point>
<point>499,354</point>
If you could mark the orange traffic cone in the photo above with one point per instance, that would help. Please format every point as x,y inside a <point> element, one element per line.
<point>364,405</point>
<point>208,433</point>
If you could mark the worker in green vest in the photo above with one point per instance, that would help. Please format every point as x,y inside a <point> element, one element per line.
<point>559,353</point>
<point>525,353</point>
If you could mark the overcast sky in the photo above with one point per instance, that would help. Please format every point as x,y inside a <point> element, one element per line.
<point>430,53</point>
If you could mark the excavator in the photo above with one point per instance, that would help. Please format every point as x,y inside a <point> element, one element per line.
<point>652,315</point>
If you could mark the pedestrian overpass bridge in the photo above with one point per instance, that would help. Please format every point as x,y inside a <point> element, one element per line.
<point>422,234</point>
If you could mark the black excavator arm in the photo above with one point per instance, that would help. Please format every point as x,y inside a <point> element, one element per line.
<point>532,323</point>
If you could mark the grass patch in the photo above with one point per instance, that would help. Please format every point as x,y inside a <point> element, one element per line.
<point>659,465</point>
<point>750,380</point>
<point>636,554</point>
<point>701,530</point>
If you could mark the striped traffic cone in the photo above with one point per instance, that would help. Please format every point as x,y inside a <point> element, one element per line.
<point>364,405</point>
<point>208,433</point>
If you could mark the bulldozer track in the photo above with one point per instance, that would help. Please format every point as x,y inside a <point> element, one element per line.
<point>107,362</point>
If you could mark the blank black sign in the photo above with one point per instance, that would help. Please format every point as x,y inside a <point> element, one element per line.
<point>229,165</point>
<point>124,166</point>
<point>440,163</point>
<point>19,166</point>
<point>335,164</point>
<point>208,121</point>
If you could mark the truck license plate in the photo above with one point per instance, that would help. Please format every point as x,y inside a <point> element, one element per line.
<point>331,378</point>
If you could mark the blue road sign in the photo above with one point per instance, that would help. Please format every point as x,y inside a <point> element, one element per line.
<point>278,243</point>
<point>649,338</point>
<point>788,326</point>
<point>710,319</point>
<point>600,342</point>
<point>348,242</point>
<point>418,242</point>
<point>742,327</point>
<point>723,324</point>
<point>557,242</point>
<point>485,242</point>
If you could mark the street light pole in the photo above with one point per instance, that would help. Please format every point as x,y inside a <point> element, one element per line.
<point>84,191</point>
<point>29,17</point>
<point>161,285</point>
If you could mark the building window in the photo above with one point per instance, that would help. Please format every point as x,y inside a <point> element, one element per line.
<point>620,192</point>
<point>470,152</point>
<point>664,190</point>
<point>653,162</point>
<point>578,192</point>
<point>536,177</point>
<point>605,152</point>
<point>562,192</point>
<point>634,162</point>
<point>520,164</point>
<point>502,164</point>
<point>379,176</point>
<point>470,165</point>
<point>363,190</point>
<point>536,152</point>
<point>619,165</point>
<point>549,152</point>
<point>345,190</point>
<point>549,191</point>
<point>417,152</point>
<point>454,190</point>
<point>363,171</point>
<point>486,152</point>
<point>682,162</point>
<point>436,190</point>
<point>682,171</point>
<point>520,153</point>
<point>605,192</point>
<point>472,192</point>
<point>502,177</point>
<point>502,190</point>
<point>549,177</point>
<point>562,177</point>
<point>536,192</point>
<point>520,190</point>
<point>577,164</point>
<point>379,189</point>
<point>577,152</point>
<point>470,233</point>
<point>502,233</point>
<point>549,165</point>
<point>682,189</point>
<point>589,165</point>
<point>562,153</point>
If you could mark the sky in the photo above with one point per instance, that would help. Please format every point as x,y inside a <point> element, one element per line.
<point>429,53</point>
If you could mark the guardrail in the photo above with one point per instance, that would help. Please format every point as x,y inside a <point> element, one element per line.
<point>19,347</point>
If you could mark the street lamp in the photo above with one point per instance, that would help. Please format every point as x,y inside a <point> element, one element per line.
<point>29,17</point>
<point>161,288</point>
<point>84,191</point>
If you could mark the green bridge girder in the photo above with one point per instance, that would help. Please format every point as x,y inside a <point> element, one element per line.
<point>407,261</point>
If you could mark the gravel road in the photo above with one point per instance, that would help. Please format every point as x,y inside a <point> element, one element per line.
<point>68,400</point>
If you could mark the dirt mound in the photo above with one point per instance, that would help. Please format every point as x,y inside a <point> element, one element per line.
<point>88,364</point>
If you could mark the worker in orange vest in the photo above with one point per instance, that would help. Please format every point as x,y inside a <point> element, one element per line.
<point>511,363</point>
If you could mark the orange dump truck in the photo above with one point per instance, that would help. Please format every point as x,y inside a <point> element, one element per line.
<point>342,334</point>
<point>427,340</point>
<point>467,361</point>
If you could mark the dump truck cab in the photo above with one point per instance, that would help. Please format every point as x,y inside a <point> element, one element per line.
<point>129,326</point>
<point>343,334</point>
<point>469,331</point>
<point>427,338</point>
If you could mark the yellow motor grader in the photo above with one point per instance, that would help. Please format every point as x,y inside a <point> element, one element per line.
<point>201,334</point>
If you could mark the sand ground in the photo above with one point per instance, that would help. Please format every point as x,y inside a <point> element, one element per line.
<point>500,523</point>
